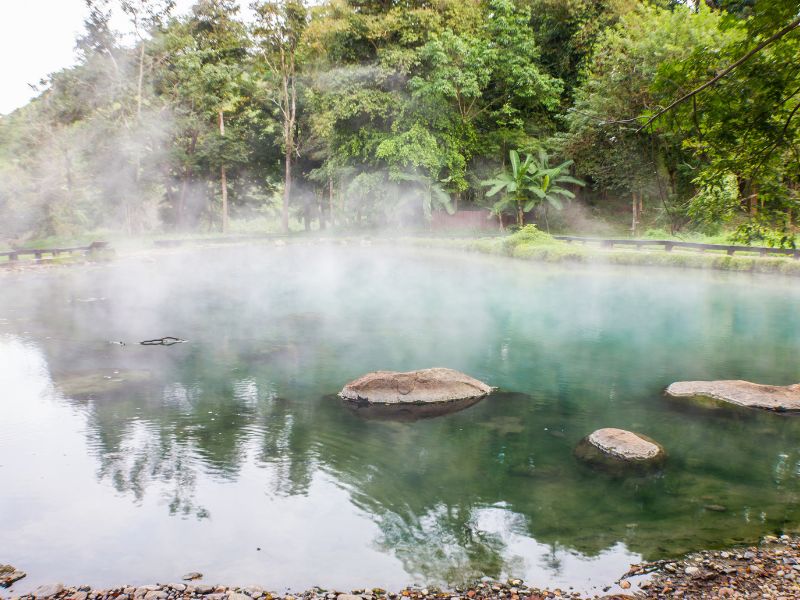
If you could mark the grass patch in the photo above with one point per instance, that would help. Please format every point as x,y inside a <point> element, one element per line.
<point>529,243</point>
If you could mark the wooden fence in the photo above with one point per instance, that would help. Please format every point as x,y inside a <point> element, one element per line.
<point>38,253</point>
<point>669,245</point>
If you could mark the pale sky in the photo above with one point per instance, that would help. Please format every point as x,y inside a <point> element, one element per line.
<point>37,37</point>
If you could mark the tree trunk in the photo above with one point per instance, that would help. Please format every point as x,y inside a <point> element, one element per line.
<point>754,200</point>
<point>180,209</point>
<point>223,179</point>
<point>634,214</point>
<point>137,167</point>
<point>288,102</point>
<point>287,191</point>
<point>330,201</point>
<point>140,84</point>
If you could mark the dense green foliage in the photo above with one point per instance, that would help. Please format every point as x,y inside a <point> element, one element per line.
<point>368,113</point>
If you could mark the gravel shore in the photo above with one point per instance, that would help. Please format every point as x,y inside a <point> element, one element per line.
<point>769,571</point>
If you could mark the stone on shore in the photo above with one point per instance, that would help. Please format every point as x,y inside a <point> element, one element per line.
<point>9,575</point>
<point>741,393</point>
<point>426,386</point>
<point>618,447</point>
<point>46,591</point>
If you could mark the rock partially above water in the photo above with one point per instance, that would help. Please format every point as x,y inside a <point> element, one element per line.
<point>426,386</point>
<point>741,393</point>
<point>610,447</point>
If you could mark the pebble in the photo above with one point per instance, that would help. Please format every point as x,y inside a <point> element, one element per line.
<point>769,572</point>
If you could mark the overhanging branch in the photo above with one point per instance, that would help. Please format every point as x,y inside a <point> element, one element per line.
<point>773,38</point>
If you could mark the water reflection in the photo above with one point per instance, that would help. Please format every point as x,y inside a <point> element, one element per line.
<point>234,442</point>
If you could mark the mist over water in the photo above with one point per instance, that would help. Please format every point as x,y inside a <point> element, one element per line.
<point>230,454</point>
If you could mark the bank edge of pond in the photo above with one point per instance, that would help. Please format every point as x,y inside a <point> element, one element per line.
<point>770,570</point>
<point>556,251</point>
<point>542,250</point>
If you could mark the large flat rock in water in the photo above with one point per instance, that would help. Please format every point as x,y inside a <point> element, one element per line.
<point>610,447</point>
<point>741,393</point>
<point>426,386</point>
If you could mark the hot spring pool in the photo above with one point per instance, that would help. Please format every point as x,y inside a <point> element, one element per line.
<point>230,454</point>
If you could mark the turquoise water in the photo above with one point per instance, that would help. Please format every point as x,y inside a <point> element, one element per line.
<point>231,455</point>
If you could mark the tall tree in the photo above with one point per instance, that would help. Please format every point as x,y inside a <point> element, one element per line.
<point>278,32</point>
<point>203,75</point>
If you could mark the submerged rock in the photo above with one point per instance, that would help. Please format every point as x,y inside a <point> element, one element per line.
<point>89,384</point>
<point>618,447</point>
<point>741,393</point>
<point>426,386</point>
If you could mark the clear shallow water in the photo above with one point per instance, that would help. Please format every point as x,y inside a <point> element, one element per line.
<point>233,441</point>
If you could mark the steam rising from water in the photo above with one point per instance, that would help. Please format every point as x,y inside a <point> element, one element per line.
<point>234,442</point>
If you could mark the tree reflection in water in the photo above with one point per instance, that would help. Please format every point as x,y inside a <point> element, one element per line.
<point>247,404</point>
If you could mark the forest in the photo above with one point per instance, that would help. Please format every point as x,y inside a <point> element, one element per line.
<point>643,115</point>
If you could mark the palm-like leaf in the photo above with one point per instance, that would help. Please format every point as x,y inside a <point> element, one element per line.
<point>568,179</point>
<point>514,157</point>
<point>530,182</point>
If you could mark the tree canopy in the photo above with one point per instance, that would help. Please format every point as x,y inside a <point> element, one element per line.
<point>361,113</point>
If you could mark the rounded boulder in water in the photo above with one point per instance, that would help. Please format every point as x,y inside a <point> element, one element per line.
<point>613,447</point>
<point>425,386</point>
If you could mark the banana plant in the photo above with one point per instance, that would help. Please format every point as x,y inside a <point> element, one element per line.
<point>530,182</point>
